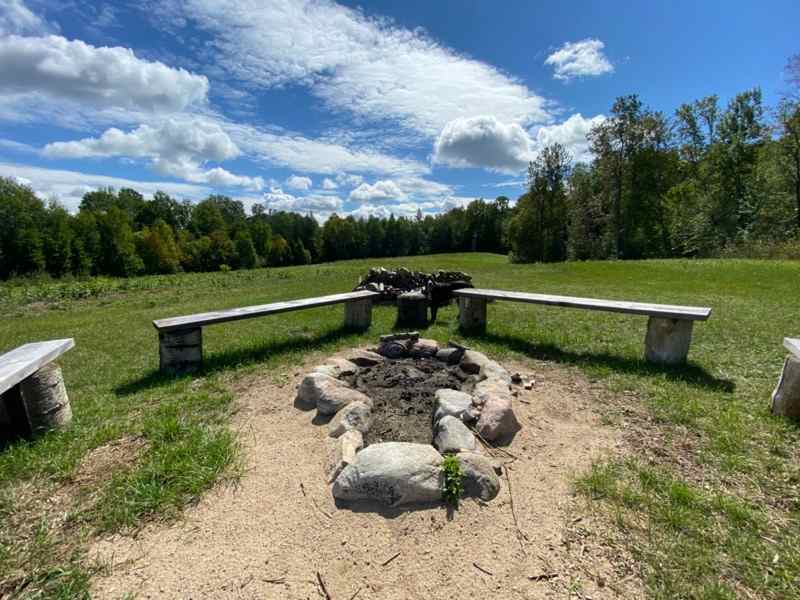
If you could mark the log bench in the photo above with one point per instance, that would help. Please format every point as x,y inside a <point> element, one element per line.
<point>33,399</point>
<point>669,329</point>
<point>180,339</point>
<point>786,396</point>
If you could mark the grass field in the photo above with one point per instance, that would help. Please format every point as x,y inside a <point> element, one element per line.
<point>712,514</point>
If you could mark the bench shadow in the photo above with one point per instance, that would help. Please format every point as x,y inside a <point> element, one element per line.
<point>690,373</point>
<point>229,359</point>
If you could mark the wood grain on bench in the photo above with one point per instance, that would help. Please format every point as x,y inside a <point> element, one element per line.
<point>691,313</point>
<point>247,312</point>
<point>24,361</point>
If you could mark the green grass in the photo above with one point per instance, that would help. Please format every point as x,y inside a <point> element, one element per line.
<point>709,526</point>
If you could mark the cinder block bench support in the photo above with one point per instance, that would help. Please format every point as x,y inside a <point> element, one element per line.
<point>358,314</point>
<point>786,397</point>
<point>669,329</point>
<point>472,314</point>
<point>32,388</point>
<point>181,350</point>
<point>180,339</point>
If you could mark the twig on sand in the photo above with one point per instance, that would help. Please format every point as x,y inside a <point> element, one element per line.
<point>277,581</point>
<point>543,577</point>
<point>303,489</point>
<point>520,535</point>
<point>491,447</point>
<point>322,586</point>
<point>319,508</point>
<point>390,559</point>
<point>481,569</point>
<point>355,594</point>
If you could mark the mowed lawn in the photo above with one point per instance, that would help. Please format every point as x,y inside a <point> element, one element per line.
<point>721,522</point>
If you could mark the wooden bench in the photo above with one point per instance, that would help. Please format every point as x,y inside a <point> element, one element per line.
<point>33,398</point>
<point>669,329</point>
<point>786,396</point>
<point>181,338</point>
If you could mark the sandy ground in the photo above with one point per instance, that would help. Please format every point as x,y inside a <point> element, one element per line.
<point>278,532</point>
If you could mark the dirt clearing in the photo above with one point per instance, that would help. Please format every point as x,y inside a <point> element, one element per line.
<point>278,533</point>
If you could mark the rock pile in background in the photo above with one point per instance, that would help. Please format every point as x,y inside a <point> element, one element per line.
<point>391,283</point>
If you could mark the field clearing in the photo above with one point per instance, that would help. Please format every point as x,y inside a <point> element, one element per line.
<point>707,503</point>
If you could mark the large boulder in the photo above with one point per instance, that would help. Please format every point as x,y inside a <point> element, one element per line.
<point>453,403</point>
<point>328,393</point>
<point>336,367</point>
<point>453,436</point>
<point>479,477</point>
<point>392,473</point>
<point>356,415</point>
<point>497,419</point>
<point>494,370</point>
<point>347,446</point>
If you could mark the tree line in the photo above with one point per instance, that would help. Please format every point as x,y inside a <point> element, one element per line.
<point>122,233</point>
<point>697,183</point>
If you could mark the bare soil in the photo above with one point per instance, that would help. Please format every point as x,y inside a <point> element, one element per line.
<point>278,534</point>
<point>403,396</point>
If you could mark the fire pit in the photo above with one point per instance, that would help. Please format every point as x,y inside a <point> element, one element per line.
<point>396,411</point>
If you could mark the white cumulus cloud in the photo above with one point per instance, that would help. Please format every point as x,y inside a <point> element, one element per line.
<point>572,134</point>
<point>296,182</point>
<point>58,68</point>
<point>483,141</point>
<point>277,199</point>
<point>379,191</point>
<point>177,147</point>
<point>329,184</point>
<point>579,59</point>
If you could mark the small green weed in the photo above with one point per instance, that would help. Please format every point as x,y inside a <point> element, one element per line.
<point>453,484</point>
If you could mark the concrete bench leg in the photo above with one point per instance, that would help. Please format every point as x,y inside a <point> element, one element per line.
<point>786,397</point>
<point>180,351</point>
<point>472,314</point>
<point>667,341</point>
<point>358,314</point>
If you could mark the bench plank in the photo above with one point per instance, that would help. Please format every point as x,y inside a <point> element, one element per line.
<point>22,362</point>
<point>691,313</point>
<point>247,312</point>
<point>792,345</point>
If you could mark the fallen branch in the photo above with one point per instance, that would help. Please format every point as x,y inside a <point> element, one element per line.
<point>491,447</point>
<point>390,559</point>
<point>322,586</point>
<point>480,568</point>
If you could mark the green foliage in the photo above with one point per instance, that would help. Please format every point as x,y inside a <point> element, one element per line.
<point>453,480</point>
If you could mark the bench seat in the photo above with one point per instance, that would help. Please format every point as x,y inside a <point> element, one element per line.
<point>669,329</point>
<point>181,341</point>
<point>22,362</point>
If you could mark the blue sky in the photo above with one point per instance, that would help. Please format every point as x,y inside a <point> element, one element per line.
<point>356,108</point>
